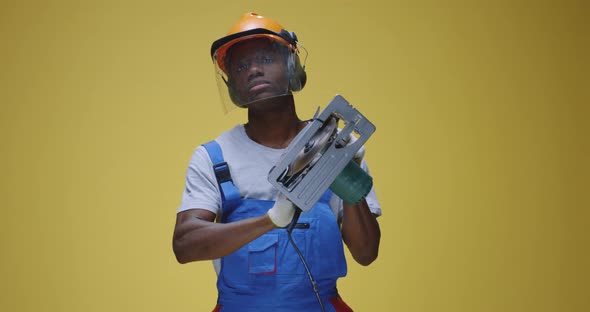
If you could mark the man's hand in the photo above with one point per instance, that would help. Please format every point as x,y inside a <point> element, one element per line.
<point>282,212</point>
<point>358,156</point>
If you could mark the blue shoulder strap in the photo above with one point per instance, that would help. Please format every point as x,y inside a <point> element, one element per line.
<point>325,198</point>
<point>230,195</point>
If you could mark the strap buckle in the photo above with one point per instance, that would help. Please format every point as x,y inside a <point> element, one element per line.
<point>222,172</point>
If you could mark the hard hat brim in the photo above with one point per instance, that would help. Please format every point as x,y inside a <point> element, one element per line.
<point>248,33</point>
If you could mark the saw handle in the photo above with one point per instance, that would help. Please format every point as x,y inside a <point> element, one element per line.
<point>293,223</point>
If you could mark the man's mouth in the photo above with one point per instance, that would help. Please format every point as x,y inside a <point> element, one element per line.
<point>258,86</point>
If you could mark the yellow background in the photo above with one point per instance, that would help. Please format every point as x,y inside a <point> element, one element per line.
<point>480,157</point>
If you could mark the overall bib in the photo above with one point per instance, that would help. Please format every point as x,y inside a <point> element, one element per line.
<point>267,274</point>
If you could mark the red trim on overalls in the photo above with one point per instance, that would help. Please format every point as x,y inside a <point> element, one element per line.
<point>340,305</point>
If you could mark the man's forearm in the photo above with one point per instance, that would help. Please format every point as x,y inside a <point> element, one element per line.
<point>361,233</point>
<point>198,239</point>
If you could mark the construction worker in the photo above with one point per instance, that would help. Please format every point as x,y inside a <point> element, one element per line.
<point>232,215</point>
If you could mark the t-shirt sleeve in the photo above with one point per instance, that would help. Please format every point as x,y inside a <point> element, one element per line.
<point>336,203</point>
<point>200,190</point>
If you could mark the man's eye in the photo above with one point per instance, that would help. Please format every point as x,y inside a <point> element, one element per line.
<point>242,67</point>
<point>267,60</point>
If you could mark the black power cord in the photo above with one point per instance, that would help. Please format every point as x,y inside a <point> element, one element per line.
<point>290,228</point>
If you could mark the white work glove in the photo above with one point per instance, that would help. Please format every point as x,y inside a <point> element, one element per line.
<point>282,212</point>
<point>358,156</point>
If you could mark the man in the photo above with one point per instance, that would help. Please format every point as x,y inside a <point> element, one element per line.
<point>231,214</point>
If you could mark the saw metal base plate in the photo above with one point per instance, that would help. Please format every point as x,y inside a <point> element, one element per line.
<point>306,188</point>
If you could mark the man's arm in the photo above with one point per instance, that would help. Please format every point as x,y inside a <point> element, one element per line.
<point>360,232</point>
<point>198,237</point>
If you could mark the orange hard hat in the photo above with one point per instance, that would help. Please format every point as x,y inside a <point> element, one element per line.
<point>250,26</point>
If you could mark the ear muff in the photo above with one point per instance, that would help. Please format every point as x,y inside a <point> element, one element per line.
<point>297,75</point>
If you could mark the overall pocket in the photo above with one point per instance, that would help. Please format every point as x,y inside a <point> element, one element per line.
<point>240,269</point>
<point>262,254</point>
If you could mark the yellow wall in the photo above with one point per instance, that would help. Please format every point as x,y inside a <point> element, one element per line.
<point>480,156</point>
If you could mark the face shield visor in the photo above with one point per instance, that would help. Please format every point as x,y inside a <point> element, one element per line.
<point>255,68</point>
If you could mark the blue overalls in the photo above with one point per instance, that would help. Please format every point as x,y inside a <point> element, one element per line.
<point>267,274</point>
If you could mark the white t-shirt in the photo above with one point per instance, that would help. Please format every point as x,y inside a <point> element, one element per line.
<point>249,165</point>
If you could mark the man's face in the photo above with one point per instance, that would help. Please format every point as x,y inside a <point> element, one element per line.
<point>258,70</point>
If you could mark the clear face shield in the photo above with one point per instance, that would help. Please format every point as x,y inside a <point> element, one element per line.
<point>256,68</point>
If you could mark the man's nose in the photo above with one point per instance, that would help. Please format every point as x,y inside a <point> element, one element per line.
<point>255,70</point>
